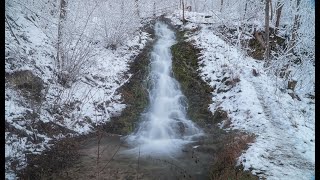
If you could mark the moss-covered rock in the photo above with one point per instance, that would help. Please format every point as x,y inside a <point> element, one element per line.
<point>134,94</point>
<point>198,93</point>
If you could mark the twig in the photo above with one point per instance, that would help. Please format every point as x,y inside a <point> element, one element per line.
<point>98,153</point>
<point>113,154</point>
<point>11,29</point>
<point>182,170</point>
<point>84,28</point>
<point>35,12</point>
<point>138,164</point>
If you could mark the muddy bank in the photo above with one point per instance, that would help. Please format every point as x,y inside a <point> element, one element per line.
<point>113,163</point>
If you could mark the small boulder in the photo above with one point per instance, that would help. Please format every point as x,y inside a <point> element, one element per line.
<point>255,73</point>
<point>219,115</point>
<point>292,84</point>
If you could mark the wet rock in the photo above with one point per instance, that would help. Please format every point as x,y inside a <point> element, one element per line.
<point>182,128</point>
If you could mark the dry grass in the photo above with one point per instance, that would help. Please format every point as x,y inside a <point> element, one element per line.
<point>224,166</point>
<point>29,84</point>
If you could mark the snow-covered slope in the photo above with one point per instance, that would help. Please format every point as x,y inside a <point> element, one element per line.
<point>258,103</point>
<point>37,108</point>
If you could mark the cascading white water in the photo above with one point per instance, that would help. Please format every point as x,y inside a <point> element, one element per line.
<point>164,128</point>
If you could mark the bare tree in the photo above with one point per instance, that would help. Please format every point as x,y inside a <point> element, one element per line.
<point>75,51</point>
<point>267,19</point>
<point>295,28</point>
<point>63,5</point>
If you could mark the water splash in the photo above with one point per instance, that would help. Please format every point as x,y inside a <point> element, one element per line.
<point>164,128</point>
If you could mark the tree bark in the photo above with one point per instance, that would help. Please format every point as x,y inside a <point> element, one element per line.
<point>271,10</point>
<point>267,49</point>
<point>259,38</point>
<point>278,14</point>
<point>62,15</point>
<point>183,20</point>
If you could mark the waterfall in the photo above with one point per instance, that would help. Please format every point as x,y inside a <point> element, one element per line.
<point>164,127</point>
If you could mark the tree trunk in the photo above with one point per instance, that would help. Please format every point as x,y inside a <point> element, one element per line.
<point>245,9</point>
<point>137,8</point>
<point>267,49</point>
<point>296,26</point>
<point>183,20</point>
<point>154,9</point>
<point>278,14</point>
<point>259,38</point>
<point>60,60</point>
<point>271,10</point>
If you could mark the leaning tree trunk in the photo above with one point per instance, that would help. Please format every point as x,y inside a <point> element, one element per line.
<point>267,19</point>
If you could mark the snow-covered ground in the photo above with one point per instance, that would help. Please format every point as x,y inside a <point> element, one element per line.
<point>92,100</point>
<point>285,127</point>
<point>285,143</point>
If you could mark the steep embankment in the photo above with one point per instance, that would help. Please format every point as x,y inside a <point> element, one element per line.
<point>257,101</point>
<point>224,147</point>
<point>68,151</point>
<point>40,111</point>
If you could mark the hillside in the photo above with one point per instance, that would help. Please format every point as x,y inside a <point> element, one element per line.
<point>74,68</point>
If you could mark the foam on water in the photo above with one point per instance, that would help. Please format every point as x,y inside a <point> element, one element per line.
<point>164,128</point>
